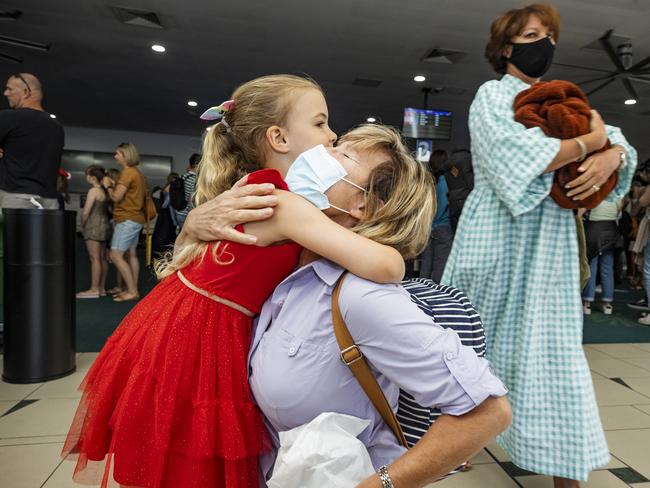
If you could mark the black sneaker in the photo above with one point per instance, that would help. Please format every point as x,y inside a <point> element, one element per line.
<point>640,305</point>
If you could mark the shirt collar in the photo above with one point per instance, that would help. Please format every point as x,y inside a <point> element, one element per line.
<point>514,82</point>
<point>327,271</point>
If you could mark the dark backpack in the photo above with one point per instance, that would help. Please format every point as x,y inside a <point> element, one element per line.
<point>626,225</point>
<point>460,182</point>
<point>177,194</point>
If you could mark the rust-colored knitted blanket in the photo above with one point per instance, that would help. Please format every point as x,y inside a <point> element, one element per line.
<point>561,110</point>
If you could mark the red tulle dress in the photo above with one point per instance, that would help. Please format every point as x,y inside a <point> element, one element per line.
<point>167,402</point>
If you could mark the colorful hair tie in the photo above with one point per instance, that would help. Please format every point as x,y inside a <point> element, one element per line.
<point>215,113</point>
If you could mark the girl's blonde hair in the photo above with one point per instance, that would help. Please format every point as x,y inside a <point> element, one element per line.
<point>401,200</point>
<point>131,155</point>
<point>237,147</point>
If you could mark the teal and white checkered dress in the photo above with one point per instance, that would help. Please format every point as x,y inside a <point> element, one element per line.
<point>515,255</point>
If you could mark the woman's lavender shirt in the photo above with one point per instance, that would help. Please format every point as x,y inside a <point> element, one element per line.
<point>296,373</point>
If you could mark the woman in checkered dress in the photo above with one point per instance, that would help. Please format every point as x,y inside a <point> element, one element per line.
<point>515,255</point>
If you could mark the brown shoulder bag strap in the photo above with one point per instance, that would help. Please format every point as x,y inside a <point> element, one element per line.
<point>353,358</point>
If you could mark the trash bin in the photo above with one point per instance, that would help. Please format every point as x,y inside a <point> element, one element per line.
<point>39,294</point>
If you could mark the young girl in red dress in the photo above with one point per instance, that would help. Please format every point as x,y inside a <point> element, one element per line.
<point>167,402</point>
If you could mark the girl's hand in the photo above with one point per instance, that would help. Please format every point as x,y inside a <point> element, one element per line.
<point>595,170</point>
<point>215,220</point>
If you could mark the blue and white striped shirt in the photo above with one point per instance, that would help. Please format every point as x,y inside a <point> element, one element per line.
<point>451,309</point>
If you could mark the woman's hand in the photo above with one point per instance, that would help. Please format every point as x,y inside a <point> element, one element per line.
<point>595,170</point>
<point>107,182</point>
<point>215,220</point>
<point>570,150</point>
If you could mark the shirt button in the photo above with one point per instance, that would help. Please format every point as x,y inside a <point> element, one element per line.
<point>293,349</point>
<point>449,356</point>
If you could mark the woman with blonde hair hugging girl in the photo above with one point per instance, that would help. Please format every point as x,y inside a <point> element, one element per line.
<point>167,399</point>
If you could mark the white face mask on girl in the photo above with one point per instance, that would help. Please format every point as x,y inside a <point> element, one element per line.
<point>313,173</point>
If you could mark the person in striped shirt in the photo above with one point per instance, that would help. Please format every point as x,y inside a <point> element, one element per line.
<point>189,185</point>
<point>449,308</point>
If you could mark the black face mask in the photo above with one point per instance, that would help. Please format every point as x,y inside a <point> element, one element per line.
<point>533,58</point>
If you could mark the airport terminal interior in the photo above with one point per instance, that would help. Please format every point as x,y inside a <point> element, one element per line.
<point>125,86</point>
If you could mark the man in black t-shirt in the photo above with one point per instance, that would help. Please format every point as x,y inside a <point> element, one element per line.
<point>31,143</point>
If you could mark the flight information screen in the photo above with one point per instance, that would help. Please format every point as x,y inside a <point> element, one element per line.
<point>427,124</point>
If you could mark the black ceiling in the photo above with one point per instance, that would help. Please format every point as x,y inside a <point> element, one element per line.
<point>101,72</point>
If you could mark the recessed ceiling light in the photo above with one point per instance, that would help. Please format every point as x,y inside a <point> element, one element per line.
<point>419,78</point>
<point>192,103</point>
<point>371,120</point>
<point>158,48</point>
<point>630,101</point>
<point>53,116</point>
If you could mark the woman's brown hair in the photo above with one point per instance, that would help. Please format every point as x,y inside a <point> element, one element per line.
<point>512,23</point>
<point>96,171</point>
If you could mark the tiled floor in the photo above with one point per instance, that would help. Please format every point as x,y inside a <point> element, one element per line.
<point>34,420</point>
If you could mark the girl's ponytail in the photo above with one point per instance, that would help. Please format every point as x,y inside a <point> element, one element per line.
<point>237,147</point>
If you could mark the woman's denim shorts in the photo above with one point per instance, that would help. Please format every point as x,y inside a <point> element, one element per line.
<point>126,235</point>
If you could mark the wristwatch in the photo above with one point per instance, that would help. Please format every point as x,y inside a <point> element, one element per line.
<point>386,482</point>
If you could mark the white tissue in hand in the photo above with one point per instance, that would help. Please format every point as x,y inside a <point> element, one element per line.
<point>323,453</point>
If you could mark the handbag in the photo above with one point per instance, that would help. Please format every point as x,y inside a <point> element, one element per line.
<point>353,358</point>
<point>150,213</point>
<point>583,258</point>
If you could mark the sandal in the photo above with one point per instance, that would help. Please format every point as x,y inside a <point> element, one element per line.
<point>87,294</point>
<point>126,297</point>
